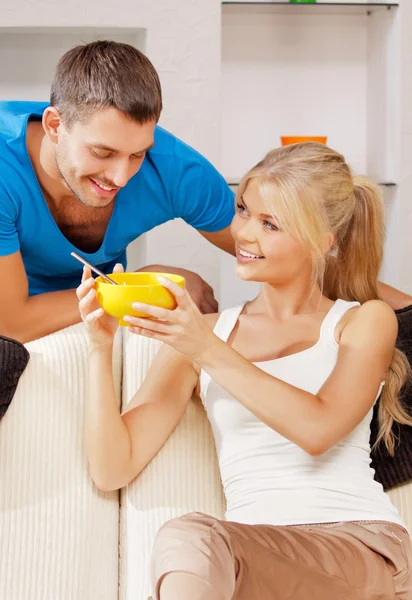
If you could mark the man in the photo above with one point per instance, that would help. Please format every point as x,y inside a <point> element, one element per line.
<point>90,173</point>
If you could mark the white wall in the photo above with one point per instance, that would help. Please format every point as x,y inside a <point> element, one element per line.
<point>28,56</point>
<point>403,63</point>
<point>289,75</point>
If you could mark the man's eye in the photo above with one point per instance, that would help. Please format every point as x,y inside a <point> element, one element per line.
<point>101,154</point>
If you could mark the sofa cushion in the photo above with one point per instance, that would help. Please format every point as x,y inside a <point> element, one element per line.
<point>13,360</point>
<point>183,477</point>
<point>58,534</point>
<point>401,497</point>
<point>396,470</point>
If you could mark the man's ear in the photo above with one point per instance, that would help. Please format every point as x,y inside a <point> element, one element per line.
<point>51,122</point>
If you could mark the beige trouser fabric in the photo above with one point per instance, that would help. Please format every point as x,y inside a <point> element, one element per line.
<point>202,558</point>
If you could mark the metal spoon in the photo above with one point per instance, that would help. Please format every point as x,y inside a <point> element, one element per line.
<point>94,269</point>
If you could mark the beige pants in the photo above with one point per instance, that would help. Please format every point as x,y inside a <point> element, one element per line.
<point>198,557</point>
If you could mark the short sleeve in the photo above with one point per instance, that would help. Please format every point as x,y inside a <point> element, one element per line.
<point>9,239</point>
<point>202,197</point>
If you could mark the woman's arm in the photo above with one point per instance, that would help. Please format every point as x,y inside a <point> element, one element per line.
<point>313,422</point>
<point>120,446</point>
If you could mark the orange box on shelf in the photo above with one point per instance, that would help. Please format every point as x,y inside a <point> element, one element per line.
<point>296,139</point>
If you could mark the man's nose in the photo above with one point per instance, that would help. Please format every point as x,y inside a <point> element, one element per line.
<point>120,174</point>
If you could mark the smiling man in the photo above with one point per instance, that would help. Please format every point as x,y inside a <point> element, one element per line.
<point>90,172</point>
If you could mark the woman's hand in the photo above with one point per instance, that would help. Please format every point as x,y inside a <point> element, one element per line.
<point>101,327</point>
<point>184,328</point>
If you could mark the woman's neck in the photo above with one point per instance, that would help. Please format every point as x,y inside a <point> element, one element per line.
<point>294,298</point>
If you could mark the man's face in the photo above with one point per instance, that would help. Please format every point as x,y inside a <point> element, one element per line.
<point>97,158</point>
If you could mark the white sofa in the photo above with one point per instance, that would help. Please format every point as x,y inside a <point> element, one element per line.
<point>60,538</point>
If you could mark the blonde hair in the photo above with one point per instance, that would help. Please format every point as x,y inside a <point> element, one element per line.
<point>311,191</point>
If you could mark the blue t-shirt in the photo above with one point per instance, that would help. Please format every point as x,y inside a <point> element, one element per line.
<point>173,181</point>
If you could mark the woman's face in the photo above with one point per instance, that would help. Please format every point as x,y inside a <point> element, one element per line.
<point>264,252</point>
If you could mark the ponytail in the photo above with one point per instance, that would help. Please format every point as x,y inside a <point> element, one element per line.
<point>390,408</point>
<point>354,277</point>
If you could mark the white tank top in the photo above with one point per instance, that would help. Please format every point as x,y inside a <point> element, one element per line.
<point>268,479</point>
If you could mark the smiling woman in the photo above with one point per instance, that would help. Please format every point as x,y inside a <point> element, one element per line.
<point>289,382</point>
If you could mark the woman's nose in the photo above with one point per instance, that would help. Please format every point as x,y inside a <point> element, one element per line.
<point>247,232</point>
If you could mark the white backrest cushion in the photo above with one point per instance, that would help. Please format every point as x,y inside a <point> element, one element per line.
<point>401,497</point>
<point>58,534</point>
<point>183,477</point>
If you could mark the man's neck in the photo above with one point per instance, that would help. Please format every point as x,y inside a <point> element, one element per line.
<point>43,158</point>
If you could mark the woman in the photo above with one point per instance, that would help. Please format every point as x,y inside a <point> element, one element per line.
<point>289,382</point>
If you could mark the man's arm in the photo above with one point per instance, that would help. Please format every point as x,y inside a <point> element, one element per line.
<point>395,298</point>
<point>25,318</point>
<point>222,239</point>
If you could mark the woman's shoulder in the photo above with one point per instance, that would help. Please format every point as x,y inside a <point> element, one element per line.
<point>372,319</point>
<point>372,310</point>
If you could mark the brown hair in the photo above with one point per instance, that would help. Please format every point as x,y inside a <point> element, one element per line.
<point>312,192</point>
<point>103,74</point>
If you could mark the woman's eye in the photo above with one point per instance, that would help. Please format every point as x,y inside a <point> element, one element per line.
<point>270,226</point>
<point>241,209</point>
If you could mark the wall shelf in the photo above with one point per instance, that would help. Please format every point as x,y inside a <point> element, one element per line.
<point>386,184</point>
<point>317,8</point>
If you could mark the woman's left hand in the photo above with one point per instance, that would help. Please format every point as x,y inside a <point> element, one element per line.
<point>184,328</point>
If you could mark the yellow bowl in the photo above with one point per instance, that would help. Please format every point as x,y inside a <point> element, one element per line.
<point>117,300</point>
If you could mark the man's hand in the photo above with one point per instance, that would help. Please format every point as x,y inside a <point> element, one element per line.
<point>200,291</point>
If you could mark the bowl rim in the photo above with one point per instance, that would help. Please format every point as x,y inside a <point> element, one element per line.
<point>101,281</point>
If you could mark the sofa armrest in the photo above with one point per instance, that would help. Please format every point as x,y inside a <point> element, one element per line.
<point>58,534</point>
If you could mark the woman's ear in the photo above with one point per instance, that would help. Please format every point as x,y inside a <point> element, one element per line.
<point>329,243</point>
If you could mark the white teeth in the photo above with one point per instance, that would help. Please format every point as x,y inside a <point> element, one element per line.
<point>248,254</point>
<point>104,187</point>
